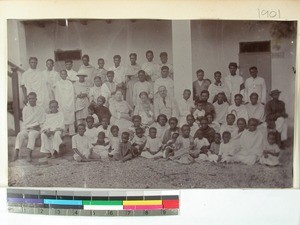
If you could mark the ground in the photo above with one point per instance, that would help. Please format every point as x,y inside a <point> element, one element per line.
<point>143,173</point>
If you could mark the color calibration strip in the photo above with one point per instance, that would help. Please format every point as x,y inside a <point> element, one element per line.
<point>93,203</point>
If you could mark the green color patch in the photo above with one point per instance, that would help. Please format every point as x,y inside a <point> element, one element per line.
<point>95,202</point>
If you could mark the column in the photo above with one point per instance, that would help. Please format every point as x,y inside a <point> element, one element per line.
<point>182,56</point>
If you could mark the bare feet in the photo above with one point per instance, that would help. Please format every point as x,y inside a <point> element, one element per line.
<point>16,155</point>
<point>48,155</point>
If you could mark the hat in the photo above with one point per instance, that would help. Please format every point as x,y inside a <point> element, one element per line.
<point>82,74</point>
<point>276,91</point>
<point>232,64</point>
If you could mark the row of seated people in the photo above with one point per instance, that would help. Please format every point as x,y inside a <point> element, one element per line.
<point>52,124</point>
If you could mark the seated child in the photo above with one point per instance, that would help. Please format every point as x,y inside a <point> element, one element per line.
<point>125,148</point>
<point>91,132</point>
<point>138,142</point>
<point>215,145</point>
<point>226,152</point>
<point>52,130</point>
<point>100,110</point>
<point>190,120</point>
<point>92,114</point>
<point>104,127</point>
<point>101,146</point>
<point>270,151</point>
<point>114,141</point>
<point>153,145</point>
<point>82,147</point>
<point>161,125</point>
<point>202,152</point>
<point>170,147</point>
<point>173,122</point>
<point>230,126</point>
<point>199,111</point>
<point>184,146</point>
<point>95,91</point>
<point>137,123</point>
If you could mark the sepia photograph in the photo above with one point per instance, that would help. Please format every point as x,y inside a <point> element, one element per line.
<point>150,103</point>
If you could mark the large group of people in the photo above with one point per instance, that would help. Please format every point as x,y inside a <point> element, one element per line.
<point>126,112</point>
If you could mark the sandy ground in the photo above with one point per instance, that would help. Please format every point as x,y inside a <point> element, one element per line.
<point>144,173</point>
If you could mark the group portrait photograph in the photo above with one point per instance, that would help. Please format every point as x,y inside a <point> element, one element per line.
<point>150,103</point>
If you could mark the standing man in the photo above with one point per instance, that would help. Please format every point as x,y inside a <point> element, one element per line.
<point>255,84</point>
<point>150,67</point>
<point>132,77</point>
<point>72,74</point>
<point>119,74</point>
<point>198,85</point>
<point>87,69</point>
<point>234,82</point>
<point>33,80</point>
<point>33,117</point>
<point>100,71</point>
<point>51,77</point>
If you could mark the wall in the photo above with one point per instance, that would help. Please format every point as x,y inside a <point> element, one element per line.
<point>216,43</point>
<point>100,39</point>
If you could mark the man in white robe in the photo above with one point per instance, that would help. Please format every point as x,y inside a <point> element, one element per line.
<point>32,80</point>
<point>72,74</point>
<point>185,107</point>
<point>52,130</point>
<point>150,67</point>
<point>33,118</point>
<point>234,82</point>
<point>166,81</point>
<point>255,84</point>
<point>64,92</point>
<point>51,77</point>
<point>119,73</point>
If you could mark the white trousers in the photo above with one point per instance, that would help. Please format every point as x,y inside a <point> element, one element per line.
<point>31,135</point>
<point>52,143</point>
<point>281,127</point>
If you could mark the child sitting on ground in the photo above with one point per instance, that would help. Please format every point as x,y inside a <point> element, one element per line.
<point>101,146</point>
<point>137,123</point>
<point>226,152</point>
<point>82,147</point>
<point>161,125</point>
<point>153,147</point>
<point>271,151</point>
<point>138,142</point>
<point>170,147</point>
<point>173,122</point>
<point>202,152</point>
<point>91,132</point>
<point>114,141</point>
<point>215,145</point>
<point>125,148</point>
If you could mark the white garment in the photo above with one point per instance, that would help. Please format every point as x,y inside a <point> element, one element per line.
<point>64,92</point>
<point>35,81</point>
<point>72,75</point>
<point>185,107</point>
<point>140,87</point>
<point>257,85</point>
<point>167,82</point>
<point>33,116</point>
<point>239,112</point>
<point>199,143</point>
<point>151,69</point>
<point>94,93</point>
<point>82,144</point>
<point>120,73</point>
<point>153,145</point>
<point>233,83</point>
<point>51,144</point>
<point>92,134</point>
<point>51,78</point>
<point>107,89</point>
<point>213,90</point>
